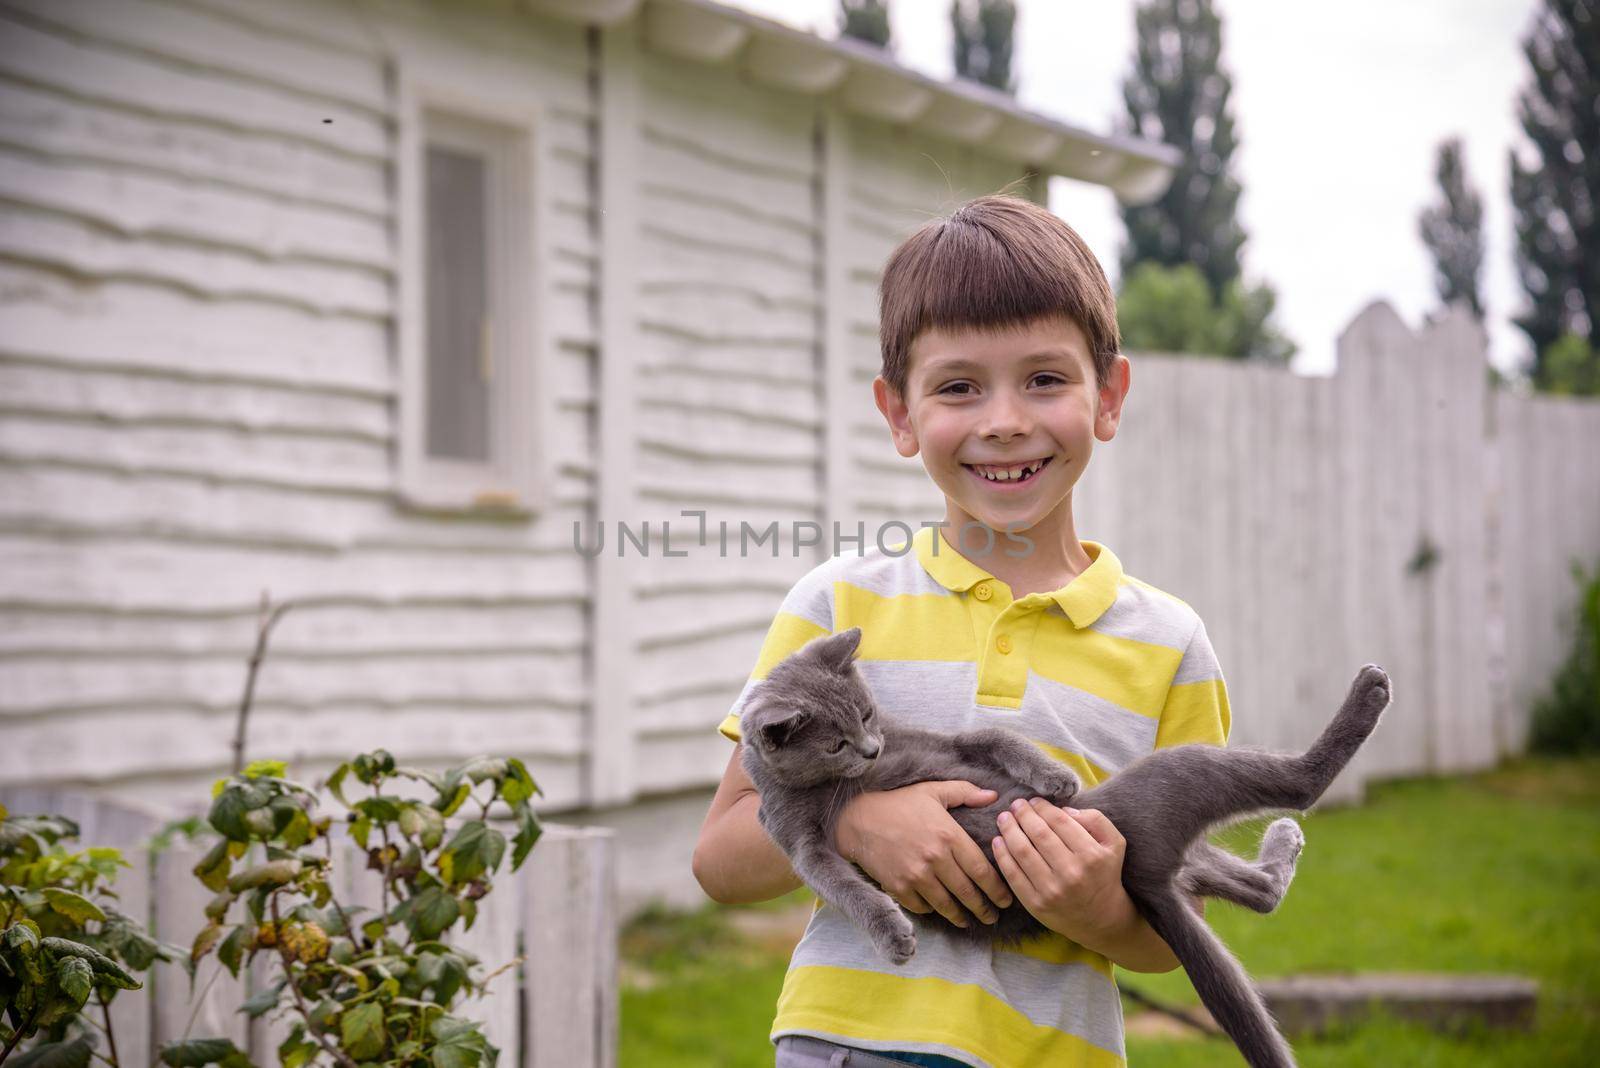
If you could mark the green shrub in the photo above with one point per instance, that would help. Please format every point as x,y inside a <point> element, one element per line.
<point>1568,719</point>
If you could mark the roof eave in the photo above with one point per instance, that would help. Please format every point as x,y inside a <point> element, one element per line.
<point>866,81</point>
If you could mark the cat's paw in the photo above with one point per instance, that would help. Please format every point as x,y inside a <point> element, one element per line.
<point>1283,841</point>
<point>1057,784</point>
<point>1372,689</point>
<point>894,936</point>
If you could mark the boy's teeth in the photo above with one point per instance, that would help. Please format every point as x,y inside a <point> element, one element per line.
<point>1007,474</point>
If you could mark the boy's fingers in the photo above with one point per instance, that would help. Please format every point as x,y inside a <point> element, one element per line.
<point>945,905</point>
<point>1022,850</point>
<point>1012,870</point>
<point>980,871</point>
<point>953,793</point>
<point>1075,835</point>
<point>1097,824</point>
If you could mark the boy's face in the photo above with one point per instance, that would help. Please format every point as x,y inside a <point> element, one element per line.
<point>980,402</point>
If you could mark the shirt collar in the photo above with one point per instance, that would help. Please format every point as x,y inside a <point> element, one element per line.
<point>1084,599</point>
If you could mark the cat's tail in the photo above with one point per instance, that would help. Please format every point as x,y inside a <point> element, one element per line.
<point>1224,988</point>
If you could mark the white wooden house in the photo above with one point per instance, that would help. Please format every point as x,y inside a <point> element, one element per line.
<point>370,304</point>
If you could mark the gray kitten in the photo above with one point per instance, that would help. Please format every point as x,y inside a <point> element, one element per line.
<point>814,740</point>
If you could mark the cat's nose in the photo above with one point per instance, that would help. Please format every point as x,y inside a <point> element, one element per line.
<point>870,752</point>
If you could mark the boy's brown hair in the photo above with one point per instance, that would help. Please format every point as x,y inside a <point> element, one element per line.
<point>996,262</point>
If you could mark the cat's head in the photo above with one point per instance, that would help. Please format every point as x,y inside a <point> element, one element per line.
<point>813,719</point>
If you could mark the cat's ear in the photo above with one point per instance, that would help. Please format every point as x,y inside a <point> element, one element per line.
<point>838,650</point>
<point>775,733</point>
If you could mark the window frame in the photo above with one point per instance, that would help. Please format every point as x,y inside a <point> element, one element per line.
<point>513,480</point>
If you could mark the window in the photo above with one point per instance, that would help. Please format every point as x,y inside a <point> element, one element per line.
<point>471,339</point>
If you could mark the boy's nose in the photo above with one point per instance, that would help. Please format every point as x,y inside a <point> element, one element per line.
<point>1004,417</point>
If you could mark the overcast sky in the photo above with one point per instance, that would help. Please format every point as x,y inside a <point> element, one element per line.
<point>1338,109</point>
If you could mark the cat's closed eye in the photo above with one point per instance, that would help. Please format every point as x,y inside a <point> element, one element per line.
<point>836,746</point>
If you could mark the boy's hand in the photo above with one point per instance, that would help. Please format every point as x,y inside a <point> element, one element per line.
<point>1066,868</point>
<point>906,840</point>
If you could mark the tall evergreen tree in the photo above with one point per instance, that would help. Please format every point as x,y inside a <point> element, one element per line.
<point>1453,230</point>
<point>1178,93</point>
<point>1556,200</point>
<point>865,20</point>
<point>983,33</point>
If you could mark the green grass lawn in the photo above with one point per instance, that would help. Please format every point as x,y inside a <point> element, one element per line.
<point>1494,873</point>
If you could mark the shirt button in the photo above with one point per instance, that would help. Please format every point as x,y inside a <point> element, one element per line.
<point>982,591</point>
<point>1003,643</point>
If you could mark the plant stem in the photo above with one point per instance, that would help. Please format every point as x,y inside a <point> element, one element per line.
<point>111,1039</point>
<point>16,1036</point>
<point>299,999</point>
<point>344,917</point>
<point>269,617</point>
<point>201,1000</point>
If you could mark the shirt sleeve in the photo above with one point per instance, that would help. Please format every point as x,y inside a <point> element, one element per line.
<point>805,614</point>
<point>1196,708</point>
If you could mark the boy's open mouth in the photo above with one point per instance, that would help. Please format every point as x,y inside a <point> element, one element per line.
<point>1014,475</point>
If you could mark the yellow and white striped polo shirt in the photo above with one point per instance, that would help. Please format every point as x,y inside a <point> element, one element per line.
<point>1097,674</point>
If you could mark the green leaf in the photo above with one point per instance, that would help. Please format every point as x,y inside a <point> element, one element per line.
<point>213,868</point>
<point>296,1051</point>
<point>452,796</point>
<point>217,908</point>
<point>383,808</point>
<point>432,912</point>
<point>263,1001</point>
<point>460,1043</point>
<point>361,1031</point>
<point>528,832</point>
<point>483,768</point>
<point>335,783</point>
<point>423,822</point>
<point>76,978</point>
<point>197,1052</point>
<point>231,807</point>
<point>107,971</point>
<point>22,935</point>
<point>232,949</point>
<point>72,1053</point>
<point>519,785</point>
<point>475,849</point>
<point>360,828</point>
<point>73,906</point>
<point>273,874</point>
<point>257,769</point>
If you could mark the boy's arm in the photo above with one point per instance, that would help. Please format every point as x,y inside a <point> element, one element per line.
<point>735,860</point>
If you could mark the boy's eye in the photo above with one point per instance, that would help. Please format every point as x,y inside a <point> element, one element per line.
<point>956,385</point>
<point>1054,378</point>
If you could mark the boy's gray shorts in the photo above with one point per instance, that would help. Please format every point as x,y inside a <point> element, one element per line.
<point>803,1051</point>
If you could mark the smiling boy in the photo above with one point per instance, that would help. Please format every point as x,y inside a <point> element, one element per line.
<point>1001,370</point>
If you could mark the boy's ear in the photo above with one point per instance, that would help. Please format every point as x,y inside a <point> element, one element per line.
<point>1119,377</point>
<point>898,416</point>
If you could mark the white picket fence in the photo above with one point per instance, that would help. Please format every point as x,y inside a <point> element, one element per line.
<point>1400,512</point>
<point>558,913</point>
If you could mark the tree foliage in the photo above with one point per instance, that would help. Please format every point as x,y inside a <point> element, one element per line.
<point>1178,92</point>
<point>1567,719</point>
<point>1169,309</point>
<point>1556,195</point>
<point>865,20</point>
<point>983,34</point>
<point>1452,229</point>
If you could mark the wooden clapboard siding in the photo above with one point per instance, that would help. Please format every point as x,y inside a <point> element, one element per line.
<point>197,397</point>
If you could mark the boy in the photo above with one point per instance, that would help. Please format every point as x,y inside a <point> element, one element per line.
<point>1001,369</point>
